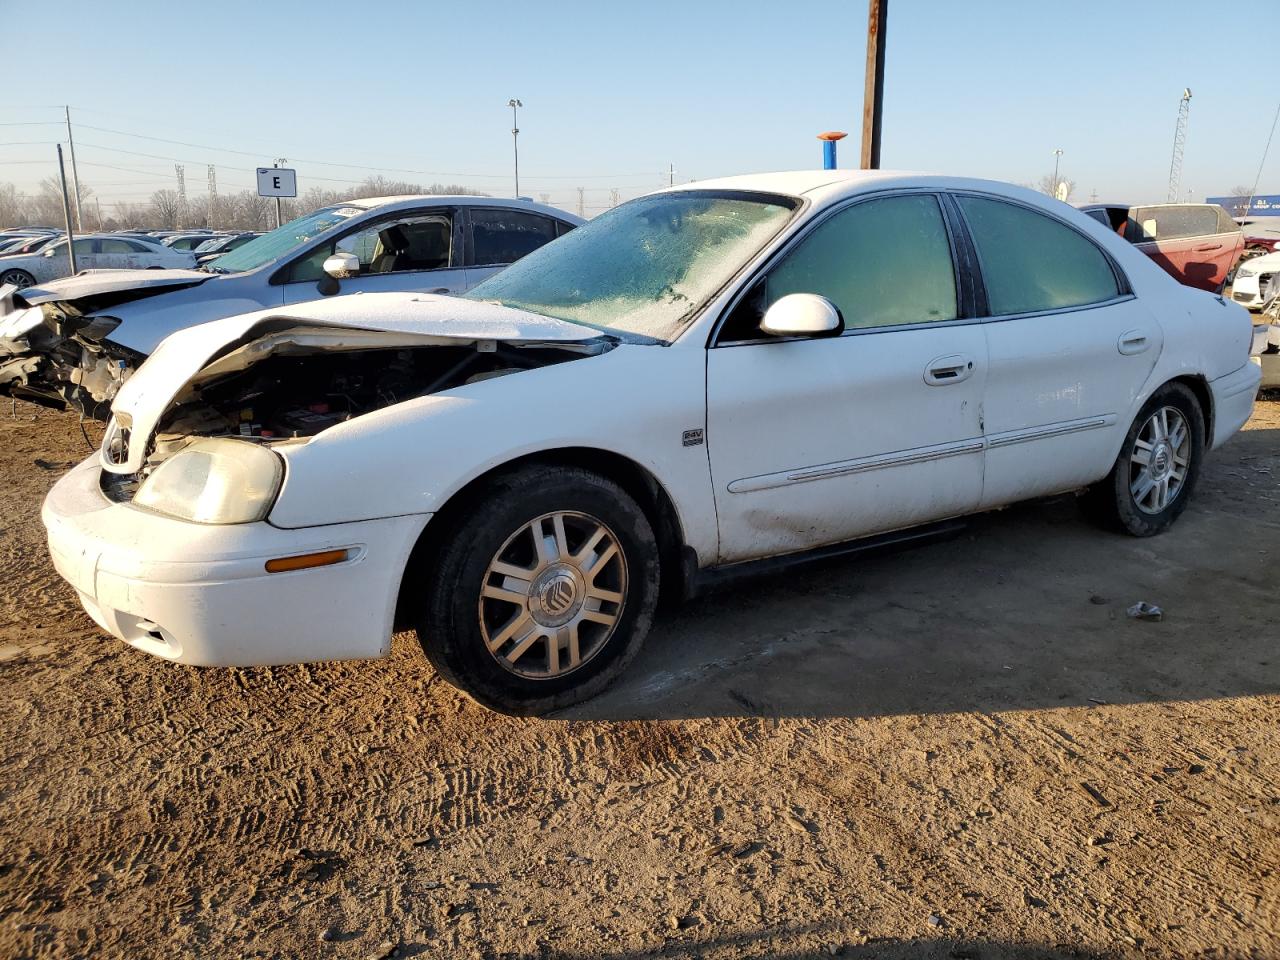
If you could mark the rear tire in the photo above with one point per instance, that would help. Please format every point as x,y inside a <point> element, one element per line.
<point>542,592</point>
<point>1155,474</point>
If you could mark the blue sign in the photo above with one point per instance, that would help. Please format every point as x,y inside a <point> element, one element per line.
<point>1264,205</point>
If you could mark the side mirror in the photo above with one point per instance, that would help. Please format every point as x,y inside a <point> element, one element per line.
<point>803,315</point>
<point>342,265</point>
<point>50,252</point>
<point>1149,230</point>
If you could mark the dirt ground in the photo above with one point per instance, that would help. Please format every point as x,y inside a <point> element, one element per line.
<point>962,750</point>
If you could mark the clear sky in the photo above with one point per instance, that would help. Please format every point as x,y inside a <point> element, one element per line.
<point>614,92</point>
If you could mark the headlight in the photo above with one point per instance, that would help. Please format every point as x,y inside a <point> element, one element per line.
<point>214,481</point>
<point>1245,272</point>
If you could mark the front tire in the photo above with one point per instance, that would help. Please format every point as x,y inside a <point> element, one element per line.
<point>542,592</point>
<point>1155,474</point>
<point>19,278</point>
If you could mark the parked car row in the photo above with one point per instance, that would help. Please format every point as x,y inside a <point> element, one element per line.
<point>706,378</point>
<point>77,340</point>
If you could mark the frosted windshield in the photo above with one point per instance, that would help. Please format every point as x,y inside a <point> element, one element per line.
<point>645,267</point>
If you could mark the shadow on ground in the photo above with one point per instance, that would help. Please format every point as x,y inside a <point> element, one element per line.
<point>1024,610</point>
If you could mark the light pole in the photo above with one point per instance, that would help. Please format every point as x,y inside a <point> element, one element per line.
<point>1057,155</point>
<point>515,104</point>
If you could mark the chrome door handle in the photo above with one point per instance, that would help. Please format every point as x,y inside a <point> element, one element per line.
<point>1132,342</point>
<point>947,370</point>
<point>1209,246</point>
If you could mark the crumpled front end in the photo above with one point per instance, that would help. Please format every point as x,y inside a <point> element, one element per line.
<point>53,339</point>
<point>54,355</point>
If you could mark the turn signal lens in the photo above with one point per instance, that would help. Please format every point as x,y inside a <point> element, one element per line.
<point>324,558</point>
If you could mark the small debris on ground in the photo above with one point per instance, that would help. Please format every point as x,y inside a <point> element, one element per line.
<point>1145,611</point>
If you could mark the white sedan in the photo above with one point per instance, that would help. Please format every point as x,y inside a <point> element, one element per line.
<point>104,251</point>
<point>703,377</point>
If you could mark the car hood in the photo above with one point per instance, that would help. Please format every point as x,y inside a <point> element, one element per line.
<point>1266,263</point>
<point>348,322</point>
<point>95,282</point>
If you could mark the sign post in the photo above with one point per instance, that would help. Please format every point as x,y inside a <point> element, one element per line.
<point>277,182</point>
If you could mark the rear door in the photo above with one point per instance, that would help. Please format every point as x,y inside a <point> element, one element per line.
<point>418,250</point>
<point>498,237</point>
<point>1186,240</point>
<point>1069,350</point>
<point>816,441</point>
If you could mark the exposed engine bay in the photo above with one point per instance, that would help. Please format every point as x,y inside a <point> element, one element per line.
<point>295,388</point>
<point>54,352</point>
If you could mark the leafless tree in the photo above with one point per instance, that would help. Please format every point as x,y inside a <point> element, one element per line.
<point>1047,185</point>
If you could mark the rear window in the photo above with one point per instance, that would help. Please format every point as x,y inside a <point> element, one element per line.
<point>1031,262</point>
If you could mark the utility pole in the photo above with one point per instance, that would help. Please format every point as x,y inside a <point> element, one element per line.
<point>515,104</point>
<point>75,176</point>
<point>279,160</point>
<point>66,213</point>
<point>581,207</point>
<point>671,174</point>
<point>613,197</point>
<point>873,90</point>
<point>182,195</point>
<point>1057,155</point>
<point>213,195</point>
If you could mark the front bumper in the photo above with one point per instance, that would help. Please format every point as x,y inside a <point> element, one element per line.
<point>1233,397</point>
<point>200,594</point>
<point>1248,292</point>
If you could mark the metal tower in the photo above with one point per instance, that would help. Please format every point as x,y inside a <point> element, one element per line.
<point>182,195</point>
<point>1179,142</point>
<point>213,195</point>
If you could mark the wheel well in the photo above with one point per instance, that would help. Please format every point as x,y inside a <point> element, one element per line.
<point>638,482</point>
<point>1200,387</point>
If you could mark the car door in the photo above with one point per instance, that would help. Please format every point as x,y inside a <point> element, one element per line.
<point>115,253</point>
<point>498,237</point>
<point>816,441</point>
<point>417,250</point>
<point>1069,349</point>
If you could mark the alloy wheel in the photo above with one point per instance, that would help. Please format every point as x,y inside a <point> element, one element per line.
<point>1160,459</point>
<point>552,595</point>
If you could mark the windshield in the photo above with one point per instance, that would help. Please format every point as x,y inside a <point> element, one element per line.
<point>645,267</point>
<point>273,245</point>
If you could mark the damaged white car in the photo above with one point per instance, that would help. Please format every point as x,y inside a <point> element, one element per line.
<point>748,369</point>
<point>75,341</point>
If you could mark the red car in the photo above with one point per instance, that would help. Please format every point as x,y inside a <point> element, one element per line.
<point>1198,244</point>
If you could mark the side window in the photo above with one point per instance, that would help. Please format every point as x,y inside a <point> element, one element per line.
<point>120,246</point>
<point>86,247</point>
<point>1031,262</point>
<point>881,262</point>
<point>1225,223</point>
<point>504,236</point>
<point>1174,222</point>
<point>419,242</point>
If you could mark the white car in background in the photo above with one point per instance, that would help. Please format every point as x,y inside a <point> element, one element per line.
<point>99,251</point>
<point>711,375</point>
<point>77,340</point>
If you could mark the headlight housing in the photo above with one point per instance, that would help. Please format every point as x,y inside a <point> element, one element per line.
<point>216,480</point>
<point>1245,272</point>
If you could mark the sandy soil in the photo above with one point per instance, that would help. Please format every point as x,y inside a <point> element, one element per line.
<point>962,750</point>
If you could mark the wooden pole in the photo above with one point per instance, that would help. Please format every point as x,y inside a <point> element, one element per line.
<point>873,96</point>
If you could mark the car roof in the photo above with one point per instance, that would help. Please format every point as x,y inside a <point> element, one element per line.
<point>413,200</point>
<point>825,186</point>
